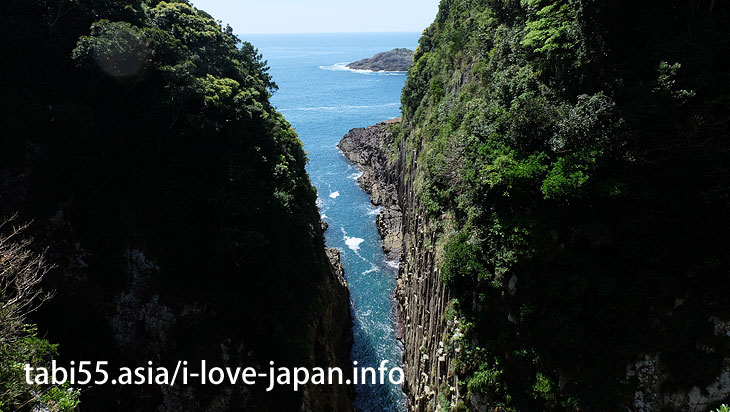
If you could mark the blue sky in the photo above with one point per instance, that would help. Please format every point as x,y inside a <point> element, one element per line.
<point>322,16</point>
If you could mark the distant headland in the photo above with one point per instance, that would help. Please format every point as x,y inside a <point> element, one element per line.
<point>397,60</point>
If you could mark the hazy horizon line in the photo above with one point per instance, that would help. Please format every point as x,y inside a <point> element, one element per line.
<point>330,32</point>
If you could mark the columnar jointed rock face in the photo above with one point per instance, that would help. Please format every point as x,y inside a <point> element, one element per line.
<point>422,297</point>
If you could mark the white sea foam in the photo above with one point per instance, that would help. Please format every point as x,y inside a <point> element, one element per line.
<point>338,108</point>
<point>323,216</point>
<point>372,106</point>
<point>373,269</point>
<point>393,263</point>
<point>309,109</point>
<point>334,195</point>
<point>353,242</point>
<point>373,211</point>
<point>343,67</point>
<point>355,176</point>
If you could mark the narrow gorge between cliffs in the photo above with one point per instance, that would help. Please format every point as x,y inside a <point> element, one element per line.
<point>323,101</point>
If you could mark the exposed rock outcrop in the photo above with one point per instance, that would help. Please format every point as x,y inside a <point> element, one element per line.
<point>365,148</point>
<point>396,60</point>
<point>422,297</point>
<point>405,227</point>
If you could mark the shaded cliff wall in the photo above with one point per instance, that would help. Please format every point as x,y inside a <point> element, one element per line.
<point>139,138</point>
<point>564,199</point>
<point>432,330</point>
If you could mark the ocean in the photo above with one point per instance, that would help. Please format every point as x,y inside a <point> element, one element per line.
<point>323,100</point>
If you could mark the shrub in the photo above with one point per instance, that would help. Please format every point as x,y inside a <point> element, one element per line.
<point>21,272</point>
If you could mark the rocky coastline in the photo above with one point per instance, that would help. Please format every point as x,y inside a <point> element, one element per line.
<point>408,237</point>
<point>365,148</point>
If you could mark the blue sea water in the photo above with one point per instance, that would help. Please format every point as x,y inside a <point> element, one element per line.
<point>323,101</point>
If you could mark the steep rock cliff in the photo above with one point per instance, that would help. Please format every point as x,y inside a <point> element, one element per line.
<point>139,138</point>
<point>564,201</point>
<point>422,297</point>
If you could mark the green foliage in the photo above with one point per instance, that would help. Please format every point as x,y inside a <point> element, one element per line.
<point>15,393</point>
<point>64,398</point>
<point>666,82</point>
<point>543,388</point>
<point>568,176</point>
<point>460,259</point>
<point>485,381</point>
<point>550,30</point>
<point>436,90</point>
<point>463,264</point>
<point>584,169</point>
<point>119,48</point>
<point>21,272</point>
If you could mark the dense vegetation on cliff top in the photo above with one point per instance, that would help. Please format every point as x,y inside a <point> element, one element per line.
<point>575,155</point>
<point>139,137</point>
